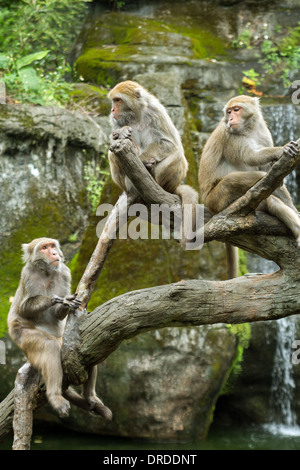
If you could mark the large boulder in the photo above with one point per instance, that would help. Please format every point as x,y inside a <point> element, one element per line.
<point>163,385</point>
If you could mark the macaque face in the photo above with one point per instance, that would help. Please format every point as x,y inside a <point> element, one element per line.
<point>234,117</point>
<point>117,108</point>
<point>50,253</point>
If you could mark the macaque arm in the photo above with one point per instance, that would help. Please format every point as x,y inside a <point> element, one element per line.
<point>35,306</point>
<point>65,305</point>
<point>263,156</point>
<point>266,155</point>
<point>157,150</point>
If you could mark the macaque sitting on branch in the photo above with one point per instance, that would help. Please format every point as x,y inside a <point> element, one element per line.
<point>237,155</point>
<point>37,318</point>
<point>140,117</point>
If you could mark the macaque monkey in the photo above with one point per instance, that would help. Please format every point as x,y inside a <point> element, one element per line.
<point>139,116</point>
<point>237,155</point>
<point>37,318</point>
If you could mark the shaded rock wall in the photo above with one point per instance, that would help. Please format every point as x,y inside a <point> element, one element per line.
<point>43,154</point>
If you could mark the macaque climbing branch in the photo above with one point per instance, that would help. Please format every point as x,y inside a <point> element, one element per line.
<point>239,218</point>
<point>265,186</point>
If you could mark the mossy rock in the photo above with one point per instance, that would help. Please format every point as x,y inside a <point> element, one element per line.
<point>114,43</point>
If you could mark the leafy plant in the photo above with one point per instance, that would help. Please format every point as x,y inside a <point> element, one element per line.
<point>36,37</point>
<point>95,179</point>
<point>252,75</point>
<point>280,55</point>
<point>117,4</point>
<point>285,54</point>
<point>244,40</point>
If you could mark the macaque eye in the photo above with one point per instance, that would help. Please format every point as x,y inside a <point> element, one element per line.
<point>236,108</point>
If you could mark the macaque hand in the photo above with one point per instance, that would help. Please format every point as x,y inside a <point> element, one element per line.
<point>71,301</point>
<point>122,146</point>
<point>291,149</point>
<point>123,133</point>
<point>56,300</point>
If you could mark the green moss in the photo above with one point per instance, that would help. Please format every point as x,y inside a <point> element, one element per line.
<point>243,334</point>
<point>94,67</point>
<point>242,262</point>
<point>91,98</point>
<point>107,43</point>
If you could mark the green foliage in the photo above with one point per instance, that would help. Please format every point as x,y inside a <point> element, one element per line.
<point>243,40</point>
<point>284,53</point>
<point>95,178</point>
<point>242,262</point>
<point>36,37</point>
<point>117,5</point>
<point>243,334</point>
<point>252,75</point>
<point>280,55</point>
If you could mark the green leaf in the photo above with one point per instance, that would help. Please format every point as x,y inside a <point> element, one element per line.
<point>4,61</point>
<point>29,79</point>
<point>28,59</point>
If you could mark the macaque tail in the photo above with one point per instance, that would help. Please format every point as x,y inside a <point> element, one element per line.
<point>232,256</point>
<point>188,196</point>
<point>81,402</point>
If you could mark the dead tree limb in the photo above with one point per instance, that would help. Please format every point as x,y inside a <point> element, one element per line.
<point>89,278</point>
<point>27,385</point>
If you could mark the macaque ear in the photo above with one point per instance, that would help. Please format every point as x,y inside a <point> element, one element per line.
<point>138,93</point>
<point>256,101</point>
<point>26,254</point>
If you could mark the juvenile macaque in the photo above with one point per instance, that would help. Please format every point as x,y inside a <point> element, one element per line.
<point>237,155</point>
<point>37,318</point>
<point>139,116</point>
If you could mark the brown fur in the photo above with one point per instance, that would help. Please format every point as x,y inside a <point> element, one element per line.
<point>36,322</point>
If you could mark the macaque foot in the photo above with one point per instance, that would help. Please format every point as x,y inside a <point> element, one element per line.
<point>97,407</point>
<point>60,404</point>
<point>150,164</point>
<point>291,149</point>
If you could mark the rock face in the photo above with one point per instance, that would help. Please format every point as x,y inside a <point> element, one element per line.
<point>163,385</point>
<point>43,153</point>
<point>43,156</point>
